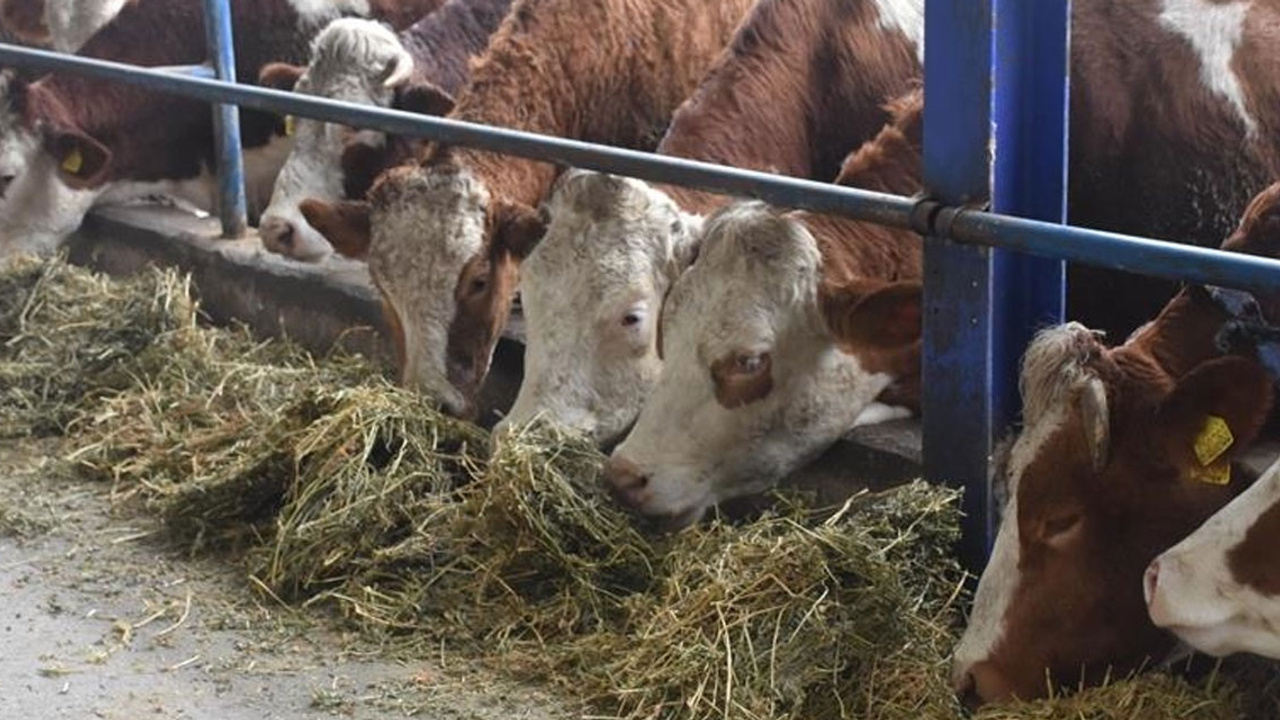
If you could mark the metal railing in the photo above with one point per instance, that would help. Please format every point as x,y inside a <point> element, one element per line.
<point>971,342</point>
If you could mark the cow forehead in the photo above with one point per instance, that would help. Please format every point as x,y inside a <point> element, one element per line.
<point>426,225</point>
<point>348,59</point>
<point>752,257</point>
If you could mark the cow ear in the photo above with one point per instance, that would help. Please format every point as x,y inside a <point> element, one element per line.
<point>518,228</point>
<point>1259,229</point>
<point>1214,411</point>
<point>1095,413</point>
<point>82,161</point>
<point>280,76</point>
<point>345,224</point>
<point>878,316</point>
<point>423,98</point>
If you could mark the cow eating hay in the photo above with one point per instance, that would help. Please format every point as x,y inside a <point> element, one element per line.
<point>353,493</point>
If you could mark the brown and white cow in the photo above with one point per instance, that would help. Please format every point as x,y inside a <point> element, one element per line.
<point>592,291</point>
<point>360,61</point>
<point>66,25</point>
<point>68,143</point>
<point>446,234</point>
<point>777,340</point>
<point>1123,452</point>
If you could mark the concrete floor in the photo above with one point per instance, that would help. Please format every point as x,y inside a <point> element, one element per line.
<point>99,619</point>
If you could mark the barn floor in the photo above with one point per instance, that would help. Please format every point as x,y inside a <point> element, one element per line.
<point>100,619</point>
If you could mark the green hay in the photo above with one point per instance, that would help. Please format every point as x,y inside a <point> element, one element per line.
<point>357,495</point>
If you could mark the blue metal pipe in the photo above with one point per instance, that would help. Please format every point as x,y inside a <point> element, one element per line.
<point>956,382</point>
<point>200,71</point>
<point>232,208</point>
<point>1169,260</point>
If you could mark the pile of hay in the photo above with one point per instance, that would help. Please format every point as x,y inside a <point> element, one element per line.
<point>68,336</point>
<point>354,494</point>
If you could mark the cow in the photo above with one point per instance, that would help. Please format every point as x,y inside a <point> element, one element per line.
<point>1123,452</point>
<point>1218,590</point>
<point>66,25</point>
<point>592,290</point>
<point>361,61</point>
<point>68,143</point>
<point>777,340</point>
<point>446,233</point>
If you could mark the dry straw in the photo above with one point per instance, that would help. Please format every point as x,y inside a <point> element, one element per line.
<point>351,493</point>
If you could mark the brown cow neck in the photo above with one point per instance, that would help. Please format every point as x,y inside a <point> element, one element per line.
<point>1184,335</point>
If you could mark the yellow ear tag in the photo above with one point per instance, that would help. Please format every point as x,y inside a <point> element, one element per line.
<point>1215,438</point>
<point>289,125</point>
<point>73,163</point>
<point>1215,474</point>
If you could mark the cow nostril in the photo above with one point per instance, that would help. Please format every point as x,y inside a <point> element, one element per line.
<point>5,181</point>
<point>285,236</point>
<point>1150,581</point>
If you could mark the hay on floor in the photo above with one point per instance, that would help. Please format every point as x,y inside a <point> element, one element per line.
<point>359,495</point>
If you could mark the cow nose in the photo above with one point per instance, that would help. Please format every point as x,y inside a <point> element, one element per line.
<point>628,485</point>
<point>461,374</point>
<point>278,235</point>
<point>967,691</point>
<point>981,684</point>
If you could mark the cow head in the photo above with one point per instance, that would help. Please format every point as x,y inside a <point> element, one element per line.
<point>51,171</point>
<point>445,257</point>
<point>1219,589</point>
<point>356,61</point>
<point>1104,475</point>
<point>765,366</point>
<point>592,292</point>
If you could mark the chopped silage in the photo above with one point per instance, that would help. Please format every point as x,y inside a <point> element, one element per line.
<point>354,494</point>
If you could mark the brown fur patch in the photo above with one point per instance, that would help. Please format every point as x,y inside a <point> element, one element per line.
<point>345,224</point>
<point>1254,562</point>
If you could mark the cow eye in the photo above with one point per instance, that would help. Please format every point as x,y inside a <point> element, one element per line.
<point>479,284</point>
<point>631,319</point>
<point>1060,530</point>
<point>749,364</point>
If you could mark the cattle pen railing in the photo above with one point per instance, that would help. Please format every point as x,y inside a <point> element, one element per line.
<point>997,77</point>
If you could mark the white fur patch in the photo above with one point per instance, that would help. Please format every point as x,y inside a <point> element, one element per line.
<point>320,12</point>
<point>1194,593</point>
<point>592,292</point>
<point>72,22</point>
<point>1215,31</point>
<point>907,17</point>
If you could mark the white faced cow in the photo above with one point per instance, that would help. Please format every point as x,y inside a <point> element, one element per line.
<point>364,62</point>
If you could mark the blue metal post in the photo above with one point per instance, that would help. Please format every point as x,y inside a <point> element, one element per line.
<point>232,208</point>
<point>1031,109</point>
<point>957,380</point>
